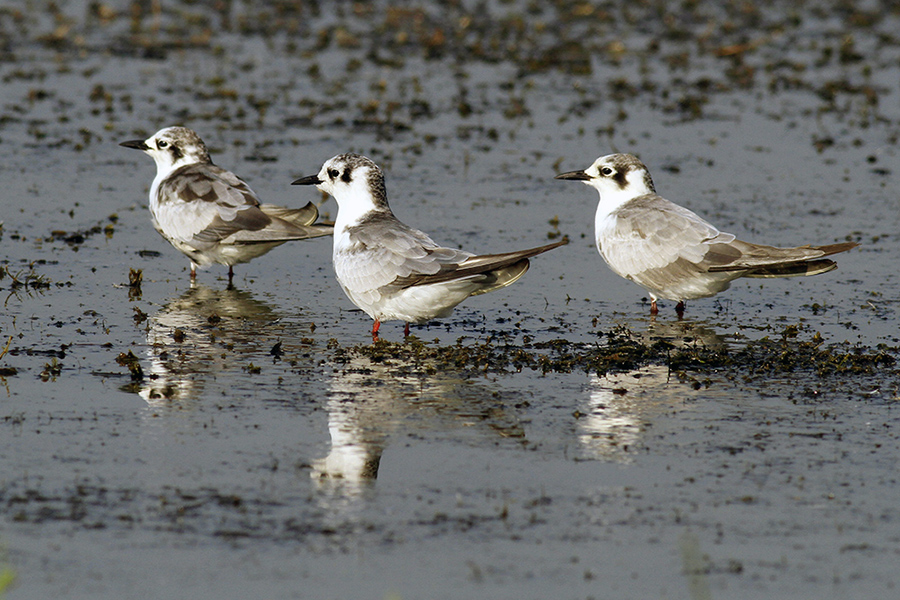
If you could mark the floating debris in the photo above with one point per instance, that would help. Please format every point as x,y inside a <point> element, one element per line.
<point>76,238</point>
<point>135,277</point>
<point>131,362</point>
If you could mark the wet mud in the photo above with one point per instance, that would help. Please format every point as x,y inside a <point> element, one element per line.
<point>548,440</point>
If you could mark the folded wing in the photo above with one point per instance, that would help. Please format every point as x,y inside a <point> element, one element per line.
<point>384,256</point>
<point>204,204</point>
<point>651,233</point>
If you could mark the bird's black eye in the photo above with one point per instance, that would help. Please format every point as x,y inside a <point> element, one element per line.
<point>333,173</point>
<point>606,171</point>
<point>162,144</point>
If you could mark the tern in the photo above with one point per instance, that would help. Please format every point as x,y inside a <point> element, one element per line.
<point>392,271</point>
<point>210,214</point>
<point>672,252</point>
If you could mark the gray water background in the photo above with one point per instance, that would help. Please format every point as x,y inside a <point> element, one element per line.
<point>233,472</point>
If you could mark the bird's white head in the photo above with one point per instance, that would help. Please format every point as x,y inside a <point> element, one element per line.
<point>172,148</point>
<point>355,182</point>
<point>617,177</point>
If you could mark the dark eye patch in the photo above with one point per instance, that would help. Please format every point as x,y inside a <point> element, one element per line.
<point>345,177</point>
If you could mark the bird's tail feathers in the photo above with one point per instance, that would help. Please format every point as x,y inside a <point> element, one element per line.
<point>500,278</point>
<point>296,216</point>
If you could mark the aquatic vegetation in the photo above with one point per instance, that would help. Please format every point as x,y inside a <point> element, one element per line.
<point>24,282</point>
<point>623,350</point>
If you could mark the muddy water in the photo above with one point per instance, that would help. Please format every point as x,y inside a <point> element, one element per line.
<point>267,451</point>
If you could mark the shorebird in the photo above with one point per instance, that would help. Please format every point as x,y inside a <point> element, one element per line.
<point>669,250</point>
<point>210,214</point>
<point>392,271</point>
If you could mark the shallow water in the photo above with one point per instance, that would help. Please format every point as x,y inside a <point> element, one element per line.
<point>264,453</point>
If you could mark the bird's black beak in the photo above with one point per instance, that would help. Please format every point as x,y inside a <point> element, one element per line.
<point>136,144</point>
<point>574,176</point>
<point>310,180</point>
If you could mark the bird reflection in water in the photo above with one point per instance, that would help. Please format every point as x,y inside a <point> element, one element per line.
<point>198,335</point>
<point>612,420</point>
<point>369,403</point>
<point>682,333</point>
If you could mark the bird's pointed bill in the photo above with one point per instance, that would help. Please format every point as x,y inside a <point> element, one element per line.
<point>574,175</point>
<point>136,144</point>
<point>308,180</point>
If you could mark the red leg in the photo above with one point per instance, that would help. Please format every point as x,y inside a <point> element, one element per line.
<point>679,308</point>
<point>375,328</point>
<point>654,310</point>
<point>406,330</point>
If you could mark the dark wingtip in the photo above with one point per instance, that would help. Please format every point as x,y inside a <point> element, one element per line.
<point>564,240</point>
<point>835,248</point>
<point>542,249</point>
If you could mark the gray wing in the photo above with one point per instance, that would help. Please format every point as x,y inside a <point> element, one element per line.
<point>210,184</point>
<point>386,255</point>
<point>651,233</point>
<point>283,224</point>
<point>478,265</point>
<point>382,252</point>
<point>205,204</point>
